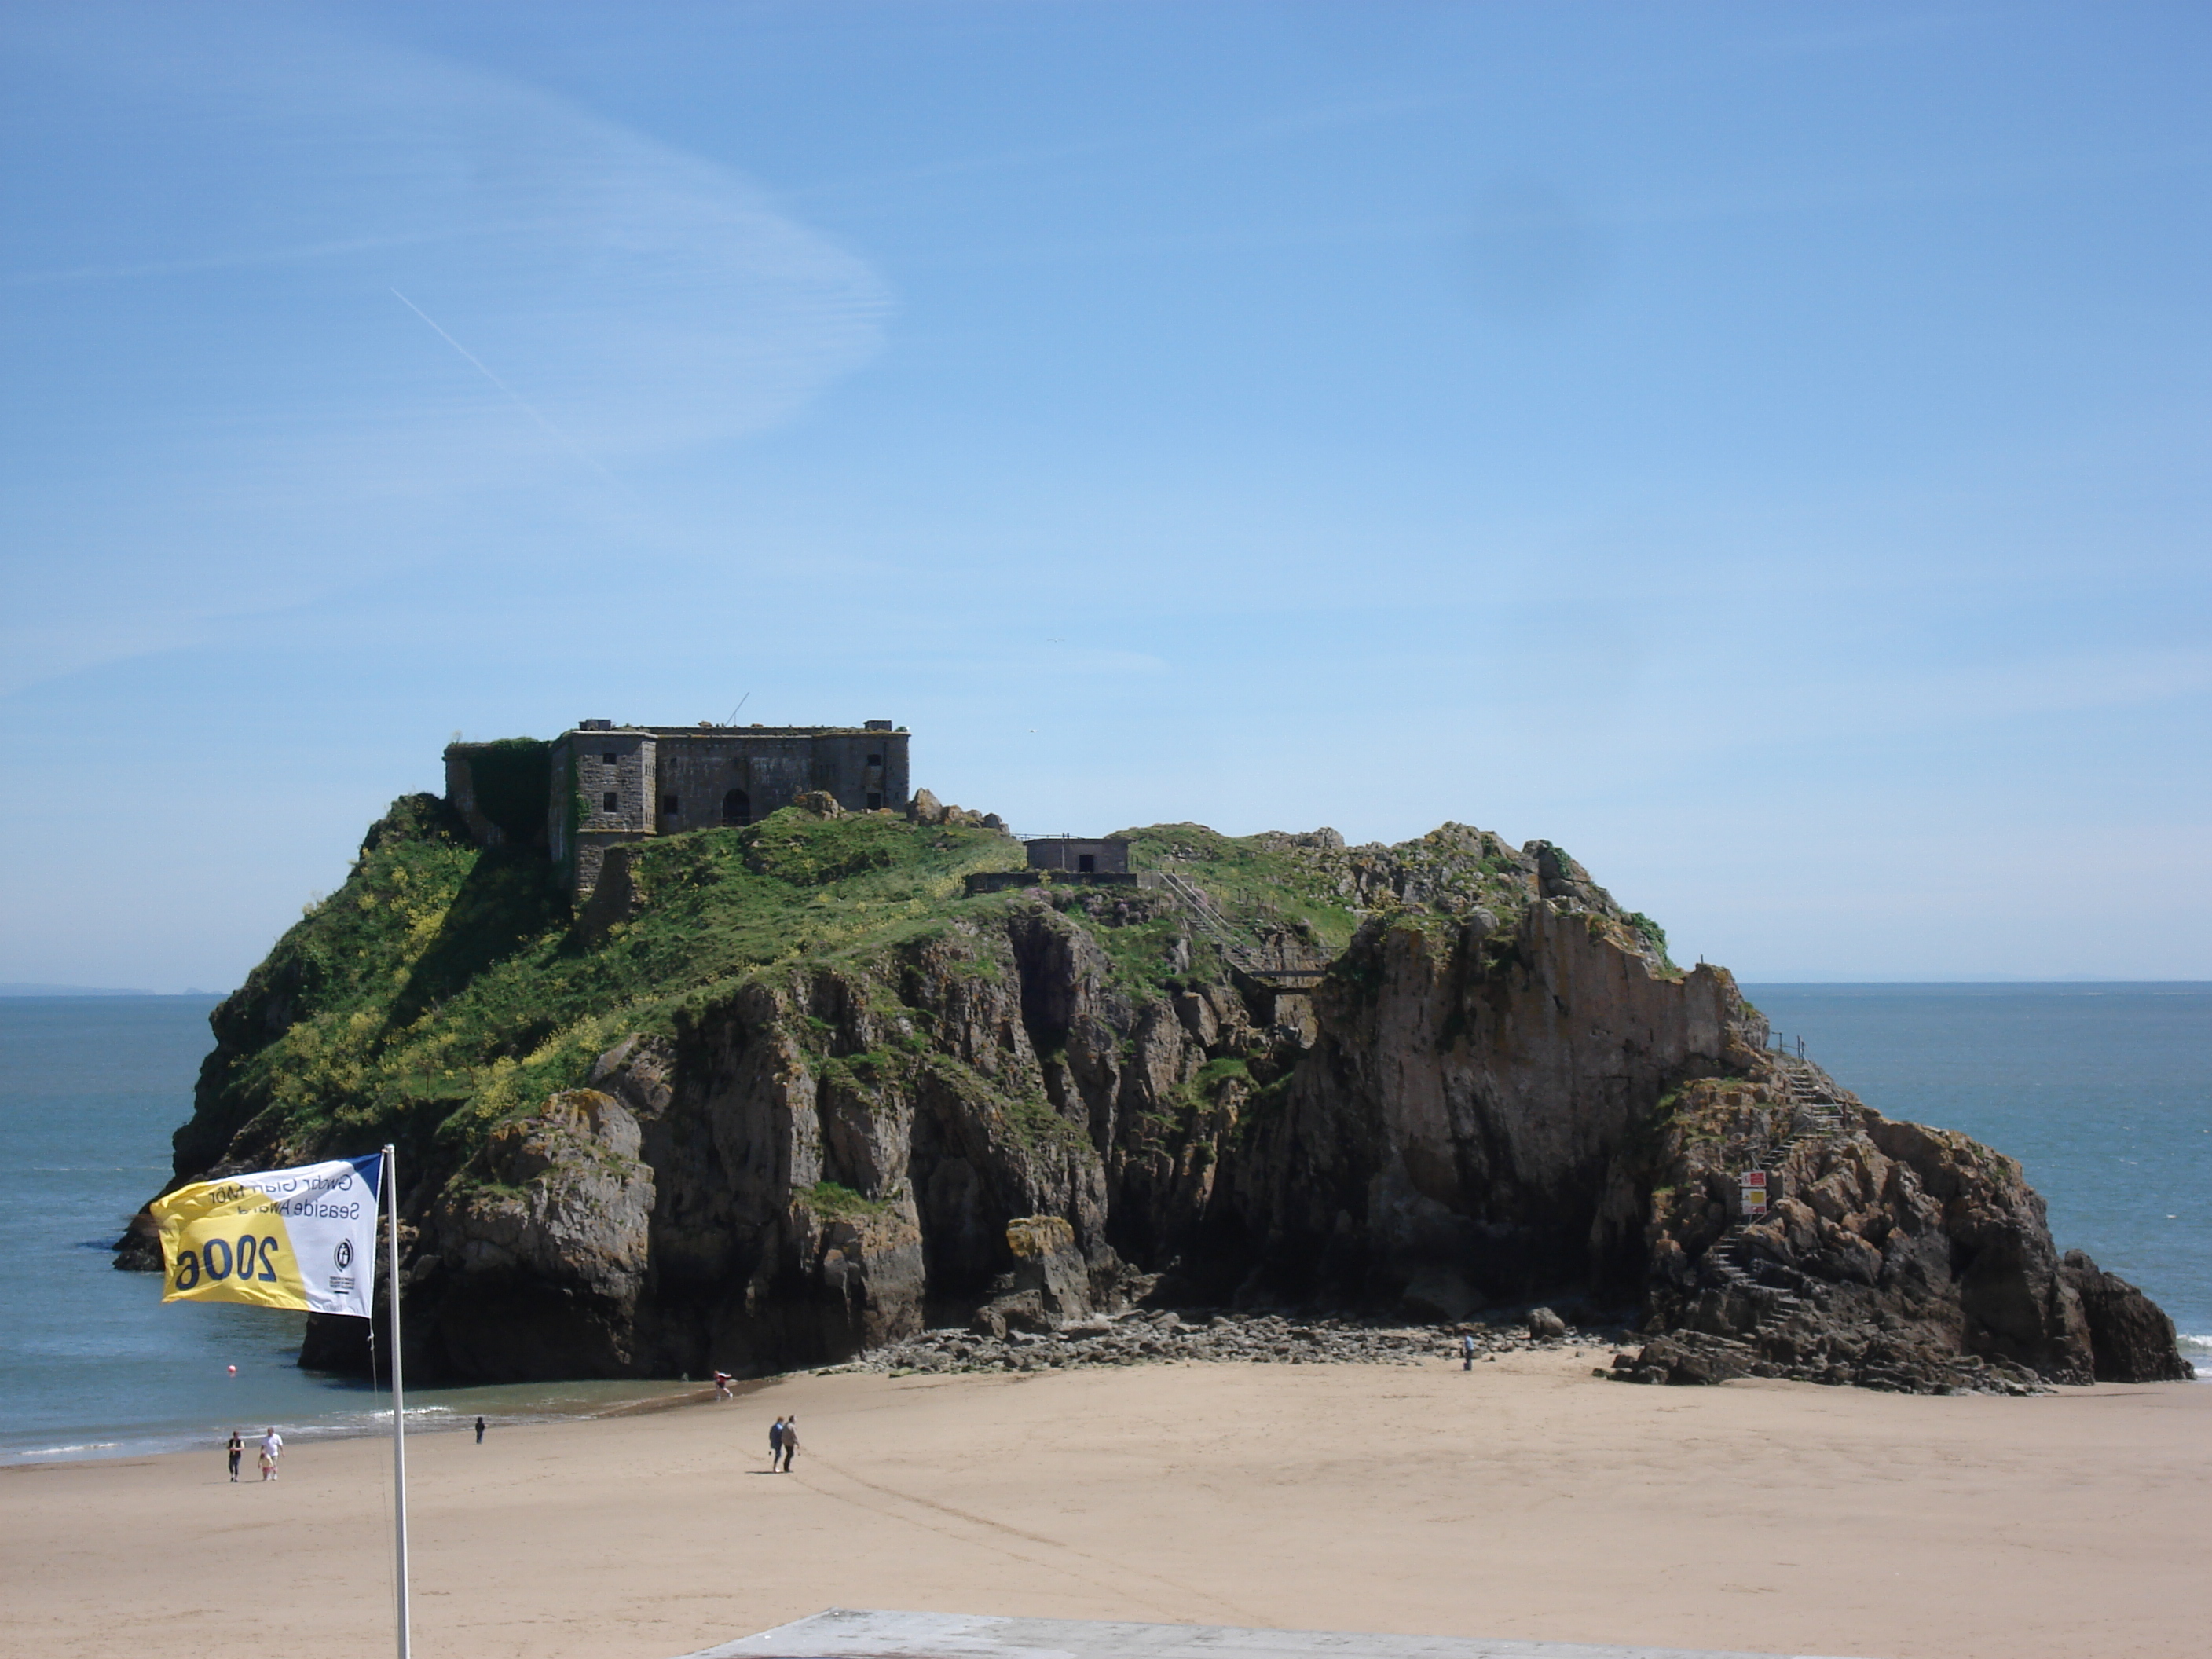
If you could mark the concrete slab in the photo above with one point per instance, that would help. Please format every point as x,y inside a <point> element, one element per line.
<point>848,1633</point>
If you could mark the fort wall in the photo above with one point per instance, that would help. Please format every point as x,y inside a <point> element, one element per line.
<point>606,785</point>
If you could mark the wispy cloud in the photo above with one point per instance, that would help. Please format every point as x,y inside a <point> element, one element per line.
<point>512,396</point>
<point>633,301</point>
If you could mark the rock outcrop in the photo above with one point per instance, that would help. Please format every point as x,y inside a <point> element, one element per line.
<point>548,1258</point>
<point>1889,1256</point>
<point>1141,1336</point>
<point>888,1107</point>
<point>926,808</point>
<point>2130,1338</point>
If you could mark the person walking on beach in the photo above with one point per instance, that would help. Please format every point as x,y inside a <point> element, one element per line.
<point>237,1449</point>
<point>1467,1351</point>
<point>775,1446</point>
<point>272,1448</point>
<point>480,1432</point>
<point>790,1440</point>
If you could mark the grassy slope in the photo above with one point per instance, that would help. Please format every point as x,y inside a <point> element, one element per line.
<point>442,988</point>
<point>1271,880</point>
<point>1258,884</point>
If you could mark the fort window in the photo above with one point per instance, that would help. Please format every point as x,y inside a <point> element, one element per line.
<point>612,757</point>
<point>738,808</point>
<point>1086,864</point>
<point>611,802</point>
<point>875,800</point>
<point>668,804</point>
<point>875,760</point>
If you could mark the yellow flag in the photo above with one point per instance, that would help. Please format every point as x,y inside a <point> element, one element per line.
<point>302,1238</point>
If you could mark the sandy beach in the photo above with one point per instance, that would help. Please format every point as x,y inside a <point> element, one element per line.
<point>1527,1499</point>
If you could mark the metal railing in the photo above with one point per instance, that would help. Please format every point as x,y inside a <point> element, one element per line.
<point>1219,928</point>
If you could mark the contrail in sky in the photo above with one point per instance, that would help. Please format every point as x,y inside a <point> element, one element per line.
<point>559,436</point>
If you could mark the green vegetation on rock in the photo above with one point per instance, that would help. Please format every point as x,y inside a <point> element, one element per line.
<point>834,1203</point>
<point>513,783</point>
<point>444,988</point>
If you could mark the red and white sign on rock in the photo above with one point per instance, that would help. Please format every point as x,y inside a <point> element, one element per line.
<point>1753,1183</point>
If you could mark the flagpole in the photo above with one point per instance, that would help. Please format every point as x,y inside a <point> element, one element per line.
<point>399,1395</point>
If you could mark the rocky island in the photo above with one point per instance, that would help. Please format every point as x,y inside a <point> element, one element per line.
<point>803,1089</point>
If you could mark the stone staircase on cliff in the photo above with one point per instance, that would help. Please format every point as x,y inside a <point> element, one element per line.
<point>1731,1267</point>
<point>1809,1092</point>
<point>1730,1261</point>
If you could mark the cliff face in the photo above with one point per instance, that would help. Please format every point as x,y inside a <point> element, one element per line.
<point>1470,1121</point>
<point>793,1095</point>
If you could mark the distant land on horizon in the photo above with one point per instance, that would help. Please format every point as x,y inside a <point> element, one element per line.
<point>27,989</point>
<point>1837,981</point>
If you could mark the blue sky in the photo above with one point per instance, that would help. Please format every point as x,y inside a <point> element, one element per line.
<point>1760,448</point>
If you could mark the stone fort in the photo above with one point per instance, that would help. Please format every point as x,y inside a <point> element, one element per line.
<point>601,785</point>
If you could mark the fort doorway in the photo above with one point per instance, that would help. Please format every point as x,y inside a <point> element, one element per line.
<point>738,808</point>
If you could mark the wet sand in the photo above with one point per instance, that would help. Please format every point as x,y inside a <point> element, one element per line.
<point>1526,1500</point>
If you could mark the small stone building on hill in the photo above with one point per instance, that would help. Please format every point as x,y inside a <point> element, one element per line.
<point>1101,861</point>
<point>602,785</point>
<point>1077,855</point>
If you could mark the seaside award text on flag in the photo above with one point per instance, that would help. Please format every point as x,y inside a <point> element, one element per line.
<point>302,1238</point>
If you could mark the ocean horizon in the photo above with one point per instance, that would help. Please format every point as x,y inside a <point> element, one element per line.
<point>2101,1089</point>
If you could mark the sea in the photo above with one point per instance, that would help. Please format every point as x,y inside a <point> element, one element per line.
<point>2103,1091</point>
<point>92,1364</point>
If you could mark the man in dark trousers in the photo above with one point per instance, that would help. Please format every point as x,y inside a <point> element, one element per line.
<point>480,1432</point>
<point>775,1446</point>
<point>790,1440</point>
<point>237,1449</point>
